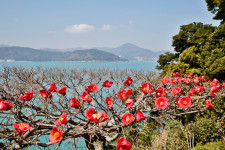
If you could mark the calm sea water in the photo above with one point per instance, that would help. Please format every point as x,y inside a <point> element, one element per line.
<point>145,66</point>
<point>142,66</point>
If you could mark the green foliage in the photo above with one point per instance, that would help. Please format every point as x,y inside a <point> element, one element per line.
<point>204,130</point>
<point>165,59</point>
<point>217,7</point>
<point>210,146</point>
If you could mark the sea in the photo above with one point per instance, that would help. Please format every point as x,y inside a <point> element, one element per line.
<point>131,65</point>
<point>141,66</point>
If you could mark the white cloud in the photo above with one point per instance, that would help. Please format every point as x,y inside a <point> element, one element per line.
<point>80,28</point>
<point>107,27</point>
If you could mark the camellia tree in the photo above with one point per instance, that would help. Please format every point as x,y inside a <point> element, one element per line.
<point>65,104</point>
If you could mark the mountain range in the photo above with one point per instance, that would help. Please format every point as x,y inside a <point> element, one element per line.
<point>29,54</point>
<point>124,52</point>
<point>128,51</point>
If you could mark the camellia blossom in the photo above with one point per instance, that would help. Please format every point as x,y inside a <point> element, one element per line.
<point>61,120</point>
<point>56,135</point>
<point>122,94</point>
<point>209,104</point>
<point>140,116</point>
<point>129,92</point>
<point>214,82</point>
<point>27,96</point>
<point>109,102</point>
<point>52,88</point>
<point>92,116</point>
<point>102,116</point>
<point>185,102</point>
<point>5,105</point>
<point>107,83</point>
<point>122,144</point>
<point>173,80</point>
<point>199,88</point>
<point>162,102</point>
<point>213,94</point>
<point>75,103</point>
<point>128,118</point>
<point>85,96</point>
<point>22,127</point>
<point>214,89</point>
<point>91,88</point>
<point>128,81</point>
<point>165,91</point>
<point>129,103</point>
<point>178,102</point>
<point>176,90</point>
<point>62,90</point>
<point>187,81</point>
<point>195,80</point>
<point>146,88</point>
<point>165,80</point>
<point>158,94</point>
<point>46,94</point>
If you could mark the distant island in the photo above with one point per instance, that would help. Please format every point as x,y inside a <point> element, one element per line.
<point>125,52</point>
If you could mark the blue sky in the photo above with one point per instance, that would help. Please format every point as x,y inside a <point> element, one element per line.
<point>96,23</point>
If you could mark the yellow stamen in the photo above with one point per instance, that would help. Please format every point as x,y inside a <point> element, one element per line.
<point>95,116</point>
<point>22,125</point>
<point>185,102</point>
<point>161,103</point>
<point>56,135</point>
<point>127,118</point>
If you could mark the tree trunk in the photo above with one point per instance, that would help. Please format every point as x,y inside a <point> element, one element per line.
<point>95,142</point>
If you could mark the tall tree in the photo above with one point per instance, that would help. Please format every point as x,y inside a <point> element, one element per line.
<point>217,7</point>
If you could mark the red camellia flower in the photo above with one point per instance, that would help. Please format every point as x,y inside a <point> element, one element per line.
<point>173,80</point>
<point>165,80</point>
<point>176,90</point>
<point>46,94</point>
<point>140,116</point>
<point>219,86</point>
<point>122,94</point>
<point>75,103</point>
<point>165,91</point>
<point>214,82</point>
<point>209,104</point>
<point>146,88</point>
<point>52,88</point>
<point>107,83</point>
<point>158,94</point>
<point>92,116</point>
<point>56,135</point>
<point>122,144</point>
<point>91,88</point>
<point>61,120</point>
<point>102,116</point>
<point>129,103</point>
<point>193,91</point>
<point>128,118</point>
<point>224,85</point>
<point>162,102</point>
<point>199,88</point>
<point>178,102</point>
<point>185,102</point>
<point>128,81</point>
<point>214,89</point>
<point>62,90</point>
<point>22,127</point>
<point>5,105</point>
<point>85,96</point>
<point>109,102</point>
<point>195,80</point>
<point>187,81</point>
<point>179,79</point>
<point>213,94</point>
<point>27,96</point>
<point>129,92</point>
